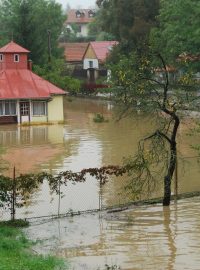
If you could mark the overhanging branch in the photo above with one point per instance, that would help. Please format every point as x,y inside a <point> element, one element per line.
<point>158,133</point>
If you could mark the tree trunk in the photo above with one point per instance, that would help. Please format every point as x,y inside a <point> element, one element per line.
<point>170,172</point>
<point>167,191</point>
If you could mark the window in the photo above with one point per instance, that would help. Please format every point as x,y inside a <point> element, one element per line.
<point>91,13</point>
<point>78,14</point>
<point>39,108</point>
<point>24,108</point>
<point>90,64</point>
<point>1,108</point>
<point>79,29</point>
<point>1,57</point>
<point>12,107</point>
<point>16,57</point>
<point>7,108</point>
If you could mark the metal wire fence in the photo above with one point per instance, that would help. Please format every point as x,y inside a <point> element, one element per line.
<point>90,196</point>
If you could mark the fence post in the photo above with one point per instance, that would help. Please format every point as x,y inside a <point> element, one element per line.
<point>100,195</point>
<point>13,196</point>
<point>59,197</point>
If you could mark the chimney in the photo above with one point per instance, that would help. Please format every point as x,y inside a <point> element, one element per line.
<point>30,64</point>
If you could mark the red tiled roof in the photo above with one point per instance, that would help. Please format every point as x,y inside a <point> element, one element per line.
<point>12,47</point>
<point>24,84</point>
<point>71,16</point>
<point>74,51</point>
<point>102,48</point>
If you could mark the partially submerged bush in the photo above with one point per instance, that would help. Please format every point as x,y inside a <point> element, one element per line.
<point>99,118</point>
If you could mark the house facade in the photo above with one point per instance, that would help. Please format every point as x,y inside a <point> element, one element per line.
<point>81,19</point>
<point>24,96</point>
<point>94,58</point>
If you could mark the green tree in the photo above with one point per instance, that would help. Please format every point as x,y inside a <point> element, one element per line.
<point>129,21</point>
<point>136,86</point>
<point>28,21</point>
<point>96,32</point>
<point>57,73</point>
<point>179,28</point>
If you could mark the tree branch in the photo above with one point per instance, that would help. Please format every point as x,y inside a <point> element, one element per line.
<point>160,133</point>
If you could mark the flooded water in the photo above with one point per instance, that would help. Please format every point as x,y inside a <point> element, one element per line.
<point>141,238</point>
<point>81,143</point>
<point>145,238</point>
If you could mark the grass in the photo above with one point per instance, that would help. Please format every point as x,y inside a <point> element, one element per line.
<point>15,253</point>
<point>20,223</point>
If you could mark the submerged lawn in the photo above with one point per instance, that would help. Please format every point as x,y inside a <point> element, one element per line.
<point>15,253</point>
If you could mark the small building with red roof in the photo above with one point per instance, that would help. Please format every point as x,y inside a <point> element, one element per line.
<point>95,57</point>
<point>81,18</point>
<point>74,52</point>
<point>24,96</point>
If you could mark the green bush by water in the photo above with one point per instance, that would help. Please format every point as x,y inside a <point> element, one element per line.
<point>15,253</point>
<point>99,118</point>
<point>17,223</point>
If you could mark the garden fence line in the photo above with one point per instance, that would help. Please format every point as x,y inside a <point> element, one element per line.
<point>90,197</point>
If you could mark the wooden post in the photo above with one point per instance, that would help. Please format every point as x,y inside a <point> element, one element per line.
<point>100,195</point>
<point>13,197</point>
<point>49,45</point>
<point>59,198</point>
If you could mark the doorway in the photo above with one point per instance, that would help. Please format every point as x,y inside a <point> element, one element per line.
<point>24,111</point>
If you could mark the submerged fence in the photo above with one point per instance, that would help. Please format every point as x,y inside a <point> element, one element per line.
<point>93,195</point>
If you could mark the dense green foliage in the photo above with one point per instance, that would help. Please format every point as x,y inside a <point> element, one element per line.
<point>129,21</point>
<point>57,73</point>
<point>14,254</point>
<point>179,28</point>
<point>96,32</point>
<point>169,27</point>
<point>27,22</point>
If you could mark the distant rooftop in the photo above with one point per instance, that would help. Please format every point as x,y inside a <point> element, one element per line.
<point>13,47</point>
<point>80,15</point>
<point>103,48</point>
<point>74,51</point>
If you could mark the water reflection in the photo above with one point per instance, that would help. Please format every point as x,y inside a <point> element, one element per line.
<point>27,148</point>
<point>81,143</point>
<point>143,238</point>
<point>147,237</point>
<point>170,235</point>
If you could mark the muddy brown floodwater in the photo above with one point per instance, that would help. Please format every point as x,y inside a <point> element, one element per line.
<point>143,238</point>
<point>80,143</point>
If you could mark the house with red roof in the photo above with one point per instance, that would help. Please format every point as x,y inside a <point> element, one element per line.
<point>73,53</point>
<point>95,57</point>
<point>81,19</point>
<point>24,96</point>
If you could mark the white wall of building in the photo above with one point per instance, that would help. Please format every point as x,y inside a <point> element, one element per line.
<point>87,61</point>
<point>84,30</point>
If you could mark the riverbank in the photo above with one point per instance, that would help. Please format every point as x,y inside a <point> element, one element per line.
<point>16,254</point>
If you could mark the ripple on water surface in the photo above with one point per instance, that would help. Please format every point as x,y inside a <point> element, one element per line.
<point>150,237</point>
